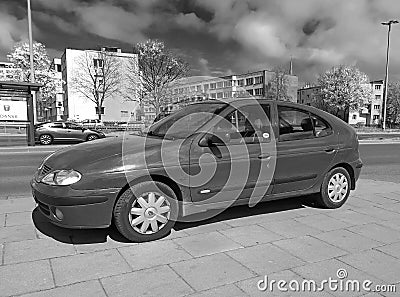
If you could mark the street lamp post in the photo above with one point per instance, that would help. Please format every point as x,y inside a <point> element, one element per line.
<point>389,24</point>
<point>32,75</point>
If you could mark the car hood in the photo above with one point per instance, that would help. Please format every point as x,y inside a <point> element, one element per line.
<point>114,154</point>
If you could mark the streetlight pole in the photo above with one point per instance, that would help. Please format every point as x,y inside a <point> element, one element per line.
<point>32,75</point>
<point>389,24</point>
<point>31,101</point>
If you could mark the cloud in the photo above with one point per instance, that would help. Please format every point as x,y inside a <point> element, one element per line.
<point>11,30</point>
<point>189,21</point>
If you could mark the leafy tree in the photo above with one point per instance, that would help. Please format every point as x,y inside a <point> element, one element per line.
<point>278,85</point>
<point>98,76</point>
<point>393,103</point>
<point>44,74</point>
<point>154,72</point>
<point>343,89</point>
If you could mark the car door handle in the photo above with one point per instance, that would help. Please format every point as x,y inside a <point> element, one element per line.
<point>330,150</point>
<point>264,156</point>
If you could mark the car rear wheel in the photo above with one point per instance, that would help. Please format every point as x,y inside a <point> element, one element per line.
<point>335,188</point>
<point>146,211</point>
<point>45,139</point>
<point>92,137</point>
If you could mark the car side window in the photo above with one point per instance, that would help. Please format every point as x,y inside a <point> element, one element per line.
<point>56,125</point>
<point>321,127</point>
<point>294,124</point>
<point>73,126</point>
<point>250,124</point>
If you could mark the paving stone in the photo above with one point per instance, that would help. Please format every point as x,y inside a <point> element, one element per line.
<point>36,249</point>
<point>250,286</point>
<point>352,217</point>
<point>390,249</point>
<point>394,207</point>
<point>175,234</point>
<point>290,228</point>
<point>206,244</point>
<point>310,249</point>
<point>211,271</point>
<point>357,202</point>
<point>390,224</point>
<point>77,268</point>
<point>324,270</point>
<point>375,263</point>
<point>101,246</point>
<point>380,213</point>
<point>250,235</point>
<point>323,222</point>
<point>207,228</point>
<point>348,241</point>
<point>19,218</point>
<point>380,199</point>
<point>155,253</point>
<point>259,219</point>
<point>391,195</point>
<point>22,278</point>
<point>1,254</point>
<point>87,289</point>
<point>17,205</point>
<point>377,232</point>
<point>224,291</point>
<point>265,258</point>
<point>157,281</point>
<point>17,233</point>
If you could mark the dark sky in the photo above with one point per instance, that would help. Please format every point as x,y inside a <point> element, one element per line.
<point>219,36</point>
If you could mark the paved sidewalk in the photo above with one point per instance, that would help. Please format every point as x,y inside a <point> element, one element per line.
<point>225,256</point>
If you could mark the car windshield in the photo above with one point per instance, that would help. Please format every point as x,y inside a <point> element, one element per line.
<point>186,121</point>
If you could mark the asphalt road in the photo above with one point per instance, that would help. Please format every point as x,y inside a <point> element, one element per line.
<point>381,162</point>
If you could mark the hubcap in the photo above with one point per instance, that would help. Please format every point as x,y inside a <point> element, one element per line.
<point>45,139</point>
<point>149,213</point>
<point>92,137</point>
<point>338,187</point>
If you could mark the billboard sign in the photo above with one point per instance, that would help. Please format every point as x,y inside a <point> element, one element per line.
<point>13,110</point>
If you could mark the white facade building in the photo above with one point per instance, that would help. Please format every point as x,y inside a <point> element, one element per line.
<point>9,73</point>
<point>117,108</point>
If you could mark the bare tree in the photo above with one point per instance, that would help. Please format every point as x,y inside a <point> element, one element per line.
<point>277,86</point>
<point>154,72</point>
<point>97,77</point>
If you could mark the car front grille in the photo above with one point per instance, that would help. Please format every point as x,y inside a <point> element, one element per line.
<point>45,170</point>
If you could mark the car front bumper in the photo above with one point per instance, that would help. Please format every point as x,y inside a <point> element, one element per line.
<point>77,209</point>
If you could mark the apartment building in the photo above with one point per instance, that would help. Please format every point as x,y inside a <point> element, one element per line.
<point>54,110</point>
<point>117,108</point>
<point>369,115</point>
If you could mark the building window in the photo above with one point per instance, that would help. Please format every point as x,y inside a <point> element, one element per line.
<point>377,106</point>
<point>227,83</point>
<point>354,116</point>
<point>220,95</point>
<point>376,117</point>
<point>98,63</point>
<point>258,80</point>
<point>377,87</point>
<point>213,96</point>
<point>206,86</point>
<point>220,84</point>
<point>213,86</point>
<point>250,92</point>
<point>58,67</point>
<point>378,97</point>
<point>240,82</point>
<point>249,81</point>
<point>198,88</point>
<point>258,92</point>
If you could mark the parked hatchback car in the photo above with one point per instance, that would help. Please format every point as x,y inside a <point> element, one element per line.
<point>48,133</point>
<point>133,180</point>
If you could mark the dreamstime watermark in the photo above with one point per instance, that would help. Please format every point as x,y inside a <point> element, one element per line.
<point>340,283</point>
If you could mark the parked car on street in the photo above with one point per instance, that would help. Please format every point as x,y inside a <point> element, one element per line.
<point>91,185</point>
<point>50,132</point>
<point>96,123</point>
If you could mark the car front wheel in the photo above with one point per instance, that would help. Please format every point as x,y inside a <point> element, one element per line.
<point>335,188</point>
<point>45,139</point>
<point>146,211</point>
<point>92,137</point>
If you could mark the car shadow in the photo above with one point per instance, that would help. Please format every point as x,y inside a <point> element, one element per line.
<point>91,236</point>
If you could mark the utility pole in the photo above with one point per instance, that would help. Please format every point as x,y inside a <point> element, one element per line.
<point>389,24</point>
<point>31,101</point>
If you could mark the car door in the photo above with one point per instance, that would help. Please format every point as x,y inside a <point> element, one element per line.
<point>306,147</point>
<point>74,132</point>
<point>241,160</point>
<point>56,130</point>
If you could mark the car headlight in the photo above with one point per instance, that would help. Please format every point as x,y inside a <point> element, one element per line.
<point>62,177</point>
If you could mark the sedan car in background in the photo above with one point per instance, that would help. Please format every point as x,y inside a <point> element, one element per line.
<point>144,183</point>
<point>48,133</point>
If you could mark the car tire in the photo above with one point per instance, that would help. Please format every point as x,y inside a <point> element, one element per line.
<point>139,216</point>
<point>335,188</point>
<point>45,139</point>
<point>92,137</point>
